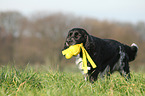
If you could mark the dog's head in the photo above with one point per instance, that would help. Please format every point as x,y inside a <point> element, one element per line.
<point>76,36</point>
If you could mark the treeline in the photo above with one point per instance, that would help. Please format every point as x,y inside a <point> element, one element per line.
<point>38,39</point>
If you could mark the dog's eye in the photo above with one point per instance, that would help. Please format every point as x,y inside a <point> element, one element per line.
<point>70,34</point>
<point>76,35</point>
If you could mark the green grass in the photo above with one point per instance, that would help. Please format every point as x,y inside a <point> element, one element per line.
<point>29,82</point>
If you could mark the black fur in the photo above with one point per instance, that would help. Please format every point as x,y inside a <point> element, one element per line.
<point>109,55</point>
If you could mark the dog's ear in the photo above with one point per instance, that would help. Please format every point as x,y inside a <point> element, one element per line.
<point>89,41</point>
<point>87,37</point>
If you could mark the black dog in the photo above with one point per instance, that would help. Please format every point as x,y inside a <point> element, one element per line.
<point>109,55</point>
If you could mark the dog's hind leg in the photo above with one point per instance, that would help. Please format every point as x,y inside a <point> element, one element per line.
<point>105,73</point>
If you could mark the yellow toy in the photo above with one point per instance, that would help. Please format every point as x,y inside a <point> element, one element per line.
<point>72,50</point>
<point>75,50</point>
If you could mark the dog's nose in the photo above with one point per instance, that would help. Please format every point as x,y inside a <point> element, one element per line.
<point>69,40</point>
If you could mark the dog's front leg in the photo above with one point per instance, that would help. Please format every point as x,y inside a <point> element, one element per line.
<point>86,77</point>
<point>94,75</point>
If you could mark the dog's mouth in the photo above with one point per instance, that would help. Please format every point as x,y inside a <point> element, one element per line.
<point>66,44</point>
<point>69,44</point>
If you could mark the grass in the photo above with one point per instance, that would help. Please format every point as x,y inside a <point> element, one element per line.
<point>29,82</point>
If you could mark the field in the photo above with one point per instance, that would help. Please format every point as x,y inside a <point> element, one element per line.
<point>31,82</point>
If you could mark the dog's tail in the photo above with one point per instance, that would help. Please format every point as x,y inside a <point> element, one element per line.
<point>131,51</point>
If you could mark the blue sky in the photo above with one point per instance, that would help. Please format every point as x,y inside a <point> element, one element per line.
<point>113,10</point>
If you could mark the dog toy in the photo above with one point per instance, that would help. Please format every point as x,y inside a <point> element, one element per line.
<point>74,50</point>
